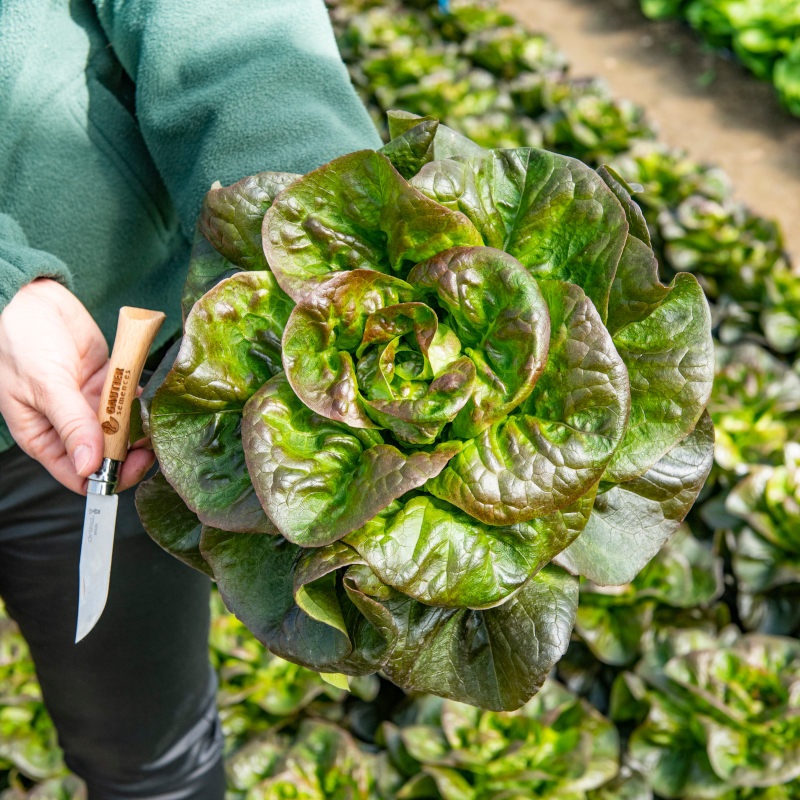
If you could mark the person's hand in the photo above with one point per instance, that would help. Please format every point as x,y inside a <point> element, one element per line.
<point>53,361</point>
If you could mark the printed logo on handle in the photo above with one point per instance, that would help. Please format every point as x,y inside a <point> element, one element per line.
<point>110,426</point>
<point>116,396</point>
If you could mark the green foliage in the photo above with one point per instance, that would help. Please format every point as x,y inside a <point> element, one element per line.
<point>755,406</point>
<point>28,744</point>
<point>714,714</point>
<point>378,444</point>
<point>556,746</point>
<point>676,589</point>
<point>765,550</point>
<point>764,34</point>
<point>479,72</point>
<point>321,761</point>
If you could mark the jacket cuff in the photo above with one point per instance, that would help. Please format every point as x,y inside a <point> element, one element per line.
<point>21,264</point>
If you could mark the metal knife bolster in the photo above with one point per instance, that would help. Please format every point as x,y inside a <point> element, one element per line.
<point>106,479</point>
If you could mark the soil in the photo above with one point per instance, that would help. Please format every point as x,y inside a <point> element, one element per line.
<point>700,100</point>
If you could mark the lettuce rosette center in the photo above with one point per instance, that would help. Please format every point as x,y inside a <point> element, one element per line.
<point>462,341</point>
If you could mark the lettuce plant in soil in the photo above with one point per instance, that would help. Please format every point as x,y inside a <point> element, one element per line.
<point>556,746</point>
<point>765,545</point>
<point>676,589</point>
<point>484,75</point>
<point>717,715</point>
<point>433,385</point>
<point>320,761</point>
<point>755,406</point>
<point>28,742</point>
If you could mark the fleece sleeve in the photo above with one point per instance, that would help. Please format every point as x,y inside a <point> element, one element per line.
<point>224,90</point>
<point>21,264</point>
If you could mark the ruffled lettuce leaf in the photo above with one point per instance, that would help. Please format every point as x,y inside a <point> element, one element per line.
<point>357,212</point>
<point>324,609</point>
<point>496,311</point>
<point>230,347</point>
<point>228,236</point>
<point>411,149</point>
<point>663,334</point>
<point>612,549</point>
<point>446,143</point>
<point>441,556</point>
<point>318,479</point>
<point>555,446</point>
<point>231,217</point>
<point>552,213</point>
<point>170,522</point>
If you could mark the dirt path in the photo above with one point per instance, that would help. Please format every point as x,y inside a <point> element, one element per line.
<point>710,106</point>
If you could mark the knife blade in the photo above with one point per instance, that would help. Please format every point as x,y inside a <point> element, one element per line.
<point>136,331</point>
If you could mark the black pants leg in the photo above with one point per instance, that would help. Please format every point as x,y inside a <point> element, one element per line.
<point>133,702</point>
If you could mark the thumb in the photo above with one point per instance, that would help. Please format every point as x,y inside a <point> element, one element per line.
<point>76,424</point>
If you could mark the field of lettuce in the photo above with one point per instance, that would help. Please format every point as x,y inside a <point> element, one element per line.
<point>684,683</point>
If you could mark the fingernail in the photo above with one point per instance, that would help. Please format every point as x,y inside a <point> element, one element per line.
<point>81,458</point>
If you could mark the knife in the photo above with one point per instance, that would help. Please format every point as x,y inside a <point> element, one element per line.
<point>136,330</point>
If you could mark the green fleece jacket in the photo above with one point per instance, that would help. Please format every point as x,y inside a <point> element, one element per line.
<point>116,116</point>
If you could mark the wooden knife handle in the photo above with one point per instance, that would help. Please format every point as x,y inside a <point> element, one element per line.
<point>136,331</point>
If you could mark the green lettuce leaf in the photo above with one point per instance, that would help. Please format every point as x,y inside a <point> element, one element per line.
<point>410,150</point>
<point>497,313</point>
<point>494,659</point>
<point>670,360</point>
<point>446,143</point>
<point>663,334</point>
<point>231,345</point>
<point>231,217</point>
<point>355,212</point>
<point>552,213</point>
<point>228,236</point>
<point>393,385</point>
<point>321,629</point>
<point>318,479</point>
<point>169,522</point>
<point>442,557</point>
<point>684,574</point>
<point>207,268</point>
<point>557,443</point>
<point>611,550</point>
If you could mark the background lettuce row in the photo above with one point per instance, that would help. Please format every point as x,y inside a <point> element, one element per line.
<point>764,35</point>
<point>715,714</point>
<point>28,743</point>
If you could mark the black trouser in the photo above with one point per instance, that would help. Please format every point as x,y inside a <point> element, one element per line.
<point>133,702</point>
